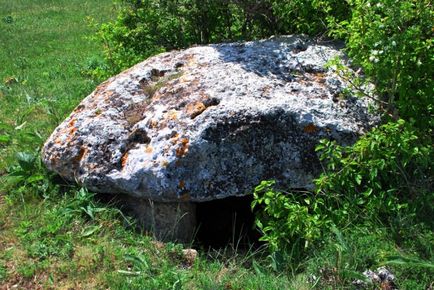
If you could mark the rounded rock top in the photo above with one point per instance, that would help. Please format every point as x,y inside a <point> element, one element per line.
<point>210,122</point>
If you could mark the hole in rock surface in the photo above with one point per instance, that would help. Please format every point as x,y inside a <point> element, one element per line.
<point>226,222</point>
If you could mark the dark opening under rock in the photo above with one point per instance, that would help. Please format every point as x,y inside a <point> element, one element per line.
<point>227,221</point>
<point>211,128</point>
<point>213,224</point>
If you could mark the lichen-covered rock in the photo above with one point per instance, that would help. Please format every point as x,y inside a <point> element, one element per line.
<point>209,122</point>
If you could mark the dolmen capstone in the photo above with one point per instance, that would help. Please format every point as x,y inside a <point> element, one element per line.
<point>206,123</point>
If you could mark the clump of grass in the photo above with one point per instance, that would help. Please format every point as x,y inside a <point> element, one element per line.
<point>3,273</point>
<point>151,89</point>
<point>71,239</point>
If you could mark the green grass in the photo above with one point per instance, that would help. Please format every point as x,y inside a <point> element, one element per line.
<point>44,48</point>
<point>54,243</point>
<point>57,236</point>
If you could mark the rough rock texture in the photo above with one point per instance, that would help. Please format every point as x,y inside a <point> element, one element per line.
<point>167,221</point>
<point>209,122</point>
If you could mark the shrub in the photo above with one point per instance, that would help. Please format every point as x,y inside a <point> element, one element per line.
<point>144,28</point>
<point>392,41</point>
<point>147,27</point>
<point>386,175</point>
<point>385,172</point>
<point>308,16</point>
<point>289,221</point>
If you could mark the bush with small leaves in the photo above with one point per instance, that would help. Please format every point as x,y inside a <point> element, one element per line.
<point>392,40</point>
<point>385,176</point>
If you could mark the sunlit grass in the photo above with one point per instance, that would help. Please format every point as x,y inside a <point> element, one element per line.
<point>44,47</point>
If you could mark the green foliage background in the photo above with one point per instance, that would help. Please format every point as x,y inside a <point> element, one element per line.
<point>146,27</point>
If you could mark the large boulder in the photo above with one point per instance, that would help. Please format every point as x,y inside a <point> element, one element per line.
<point>209,122</point>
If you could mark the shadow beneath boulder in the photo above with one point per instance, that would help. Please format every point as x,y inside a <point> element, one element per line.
<point>228,221</point>
<point>213,224</point>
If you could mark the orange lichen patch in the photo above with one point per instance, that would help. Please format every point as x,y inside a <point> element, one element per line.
<point>183,148</point>
<point>199,104</point>
<point>153,123</point>
<point>164,163</point>
<point>185,197</point>
<point>311,128</point>
<point>149,149</point>
<point>174,139</point>
<point>181,184</point>
<point>191,60</point>
<point>72,131</point>
<point>83,151</point>
<point>71,123</point>
<point>184,141</point>
<point>78,109</point>
<point>124,159</point>
<point>71,134</point>
<point>69,131</point>
<point>319,78</point>
<point>195,109</point>
<point>172,115</point>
